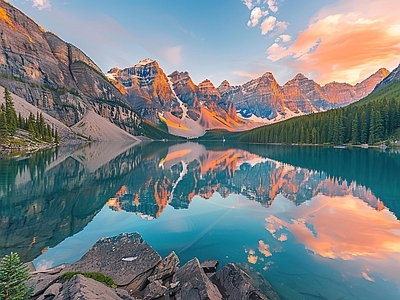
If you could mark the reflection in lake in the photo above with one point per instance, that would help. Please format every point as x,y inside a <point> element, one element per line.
<point>316,222</point>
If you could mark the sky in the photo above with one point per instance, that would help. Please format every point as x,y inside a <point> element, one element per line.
<point>236,40</point>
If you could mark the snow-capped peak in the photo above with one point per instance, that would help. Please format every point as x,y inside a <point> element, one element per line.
<point>144,62</point>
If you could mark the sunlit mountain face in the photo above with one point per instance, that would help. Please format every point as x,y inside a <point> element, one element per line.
<point>316,222</point>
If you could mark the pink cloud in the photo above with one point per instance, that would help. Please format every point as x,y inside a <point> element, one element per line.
<point>268,25</point>
<point>346,43</point>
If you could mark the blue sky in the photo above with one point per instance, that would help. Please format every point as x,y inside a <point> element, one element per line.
<point>237,40</point>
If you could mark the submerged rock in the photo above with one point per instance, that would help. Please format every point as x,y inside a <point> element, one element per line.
<point>235,284</point>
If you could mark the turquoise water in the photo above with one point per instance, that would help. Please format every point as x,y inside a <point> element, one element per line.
<point>317,223</point>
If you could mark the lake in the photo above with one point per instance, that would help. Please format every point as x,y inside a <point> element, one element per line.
<point>316,222</point>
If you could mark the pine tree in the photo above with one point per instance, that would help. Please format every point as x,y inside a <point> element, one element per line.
<point>11,115</point>
<point>13,278</point>
<point>372,129</point>
<point>3,124</point>
<point>355,136</point>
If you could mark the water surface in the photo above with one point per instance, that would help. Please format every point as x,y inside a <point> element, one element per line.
<point>318,223</point>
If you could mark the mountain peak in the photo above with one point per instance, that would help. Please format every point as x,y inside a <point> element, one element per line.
<point>225,83</point>
<point>144,62</point>
<point>300,76</point>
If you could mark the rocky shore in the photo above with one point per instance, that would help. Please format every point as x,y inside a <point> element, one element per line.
<point>139,272</point>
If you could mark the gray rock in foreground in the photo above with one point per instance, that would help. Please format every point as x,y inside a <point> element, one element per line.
<point>80,287</point>
<point>126,258</point>
<point>139,272</point>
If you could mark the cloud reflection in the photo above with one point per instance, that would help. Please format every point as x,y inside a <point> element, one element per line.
<point>344,228</point>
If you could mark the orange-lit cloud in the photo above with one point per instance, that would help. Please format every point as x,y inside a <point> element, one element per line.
<point>347,42</point>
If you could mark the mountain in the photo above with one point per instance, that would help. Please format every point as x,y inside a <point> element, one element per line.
<point>189,110</point>
<point>392,77</point>
<point>55,76</point>
<point>373,120</point>
<point>265,98</point>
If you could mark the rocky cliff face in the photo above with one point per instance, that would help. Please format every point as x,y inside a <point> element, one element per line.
<point>264,98</point>
<point>393,76</point>
<point>148,89</point>
<point>56,76</point>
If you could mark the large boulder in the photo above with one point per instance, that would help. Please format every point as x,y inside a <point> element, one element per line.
<point>126,258</point>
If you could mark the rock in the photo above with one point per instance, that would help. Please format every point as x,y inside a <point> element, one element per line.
<point>193,283</point>
<point>123,294</point>
<point>111,256</point>
<point>52,291</point>
<point>80,287</point>
<point>154,290</point>
<point>210,266</point>
<point>166,268</point>
<point>234,284</point>
<point>41,282</point>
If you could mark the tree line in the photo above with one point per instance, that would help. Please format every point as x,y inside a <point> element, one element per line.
<point>367,122</point>
<point>10,122</point>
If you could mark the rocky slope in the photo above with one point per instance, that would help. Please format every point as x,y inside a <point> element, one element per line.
<point>55,76</point>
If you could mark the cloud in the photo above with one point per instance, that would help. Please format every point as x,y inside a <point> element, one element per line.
<point>275,52</point>
<point>173,55</point>
<point>255,15</point>
<point>346,43</point>
<point>248,3</point>
<point>268,25</point>
<point>272,5</point>
<point>285,38</point>
<point>41,4</point>
<point>355,222</point>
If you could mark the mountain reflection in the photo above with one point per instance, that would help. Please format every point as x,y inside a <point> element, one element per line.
<point>48,196</point>
<point>189,170</point>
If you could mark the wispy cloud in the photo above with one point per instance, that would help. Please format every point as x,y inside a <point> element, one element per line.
<point>173,55</point>
<point>41,4</point>
<point>345,43</point>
